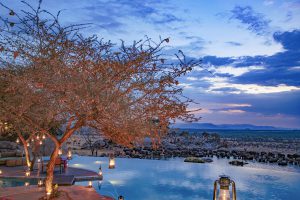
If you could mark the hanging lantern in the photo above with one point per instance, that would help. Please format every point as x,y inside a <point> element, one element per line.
<point>224,194</point>
<point>112,162</point>
<point>69,155</point>
<point>17,141</point>
<point>41,142</point>
<point>40,183</point>
<point>27,173</point>
<point>26,183</point>
<point>90,184</point>
<point>100,171</point>
<point>120,197</point>
<point>60,152</point>
<point>37,137</point>
<point>43,137</point>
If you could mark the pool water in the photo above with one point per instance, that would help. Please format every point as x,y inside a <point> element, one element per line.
<point>13,182</point>
<point>138,179</point>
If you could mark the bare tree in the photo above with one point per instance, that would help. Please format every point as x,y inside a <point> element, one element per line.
<point>55,75</point>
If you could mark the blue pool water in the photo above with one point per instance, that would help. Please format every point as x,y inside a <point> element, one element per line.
<point>138,179</point>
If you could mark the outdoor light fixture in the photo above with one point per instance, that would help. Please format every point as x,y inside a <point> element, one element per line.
<point>100,171</point>
<point>43,137</point>
<point>224,194</point>
<point>28,144</point>
<point>37,137</point>
<point>40,183</point>
<point>27,173</point>
<point>120,197</point>
<point>17,141</point>
<point>0,171</point>
<point>60,152</point>
<point>41,142</point>
<point>112,162</point>
<point>26,183</point>
<point>90,184</point>
<point>32,139</point>
<point>69,155</point>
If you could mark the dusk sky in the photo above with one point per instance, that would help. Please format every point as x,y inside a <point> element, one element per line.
<point>251,48</point>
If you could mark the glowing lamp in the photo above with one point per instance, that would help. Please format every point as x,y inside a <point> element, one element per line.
<point>112,163</point>
<point>100,171</point>
<point>28,145</point>
<point>60,152</point>
<point>43,137</point>
<point>69,155</point>
<point>120,197</point>
<point>41,142</point>
<point>224,193</point>
<point>37,137</point>
<point>32,139</point>
<point>26,183</point>
<point>90,184</point>
<point>40,183</point>
<point>27,173</point>
<point>0,171</point>
<point>39,160</point>
<point>17,141</point>
<point>28,165</point>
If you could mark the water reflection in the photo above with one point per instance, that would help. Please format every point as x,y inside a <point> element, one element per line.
<point>174,179</point>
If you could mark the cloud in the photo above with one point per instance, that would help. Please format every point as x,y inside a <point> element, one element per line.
<point>234,71</point>
<point>254,21</point>
<point>232,111</point>
<point>232,43</point>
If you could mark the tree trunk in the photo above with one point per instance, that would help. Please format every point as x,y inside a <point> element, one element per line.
<point>50,169</point>
<point>27,156</point>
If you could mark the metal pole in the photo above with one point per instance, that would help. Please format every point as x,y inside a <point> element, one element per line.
<point>215,190</point>
<point>233,190</point>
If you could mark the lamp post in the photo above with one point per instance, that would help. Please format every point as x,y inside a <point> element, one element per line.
<point>224,194</point>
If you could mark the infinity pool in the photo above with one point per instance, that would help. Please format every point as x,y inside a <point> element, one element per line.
<point>138,179</point>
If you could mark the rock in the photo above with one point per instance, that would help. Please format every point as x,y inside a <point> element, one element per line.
<point>237,163</point>
<point>207,160</point>
<point>194,160</point>
<point>282,163</point>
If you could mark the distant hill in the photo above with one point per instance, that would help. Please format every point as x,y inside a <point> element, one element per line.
<point>224,126</point>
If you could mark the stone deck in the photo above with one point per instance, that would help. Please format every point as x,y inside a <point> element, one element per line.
<point>65,178</point>
<point>74,192</point>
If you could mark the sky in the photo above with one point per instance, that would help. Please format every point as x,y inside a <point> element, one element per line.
<point>250,72</point>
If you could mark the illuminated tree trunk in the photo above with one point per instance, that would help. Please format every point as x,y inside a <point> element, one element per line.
<point>27,155</point>
<point>50,169</point>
